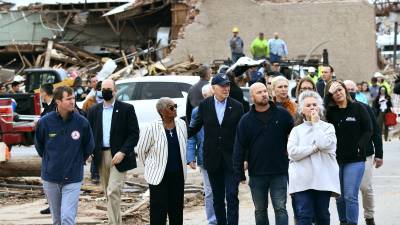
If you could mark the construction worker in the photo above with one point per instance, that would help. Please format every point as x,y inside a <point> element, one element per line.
<point>259,47</point>
<point>312,74</point>
<point>236,45</point>
<point>277,48</point>
<point>382,82</point>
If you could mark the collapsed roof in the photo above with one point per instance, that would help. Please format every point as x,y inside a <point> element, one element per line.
<point>18,4</point>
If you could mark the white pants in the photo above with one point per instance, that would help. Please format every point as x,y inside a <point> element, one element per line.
<point>367,190</point>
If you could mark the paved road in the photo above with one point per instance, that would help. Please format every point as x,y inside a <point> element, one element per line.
<point>387,189</point>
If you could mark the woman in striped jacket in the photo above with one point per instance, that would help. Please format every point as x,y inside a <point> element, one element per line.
<point>162,150</point>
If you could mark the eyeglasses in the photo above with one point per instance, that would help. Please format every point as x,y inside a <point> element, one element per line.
<point>173,107</point>
<point>307,89</point>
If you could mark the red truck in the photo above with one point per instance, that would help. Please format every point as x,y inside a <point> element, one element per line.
<point>17,126</point>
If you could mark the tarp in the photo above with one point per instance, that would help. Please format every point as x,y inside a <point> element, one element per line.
<point>243,64</point>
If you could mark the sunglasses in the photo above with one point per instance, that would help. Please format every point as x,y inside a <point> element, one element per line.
<point>173,107</point>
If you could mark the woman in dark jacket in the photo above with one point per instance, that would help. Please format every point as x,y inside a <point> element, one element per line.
<point>353,131</point>
<point>382,105</point>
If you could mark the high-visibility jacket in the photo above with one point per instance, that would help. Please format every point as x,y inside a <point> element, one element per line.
<point>259,48</point>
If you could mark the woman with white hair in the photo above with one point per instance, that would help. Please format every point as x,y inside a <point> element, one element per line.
<point>313,170</point>
<point>281,97</point>
<point>162,150</point>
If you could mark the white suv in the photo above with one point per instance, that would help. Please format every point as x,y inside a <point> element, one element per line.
<point>144,92</point>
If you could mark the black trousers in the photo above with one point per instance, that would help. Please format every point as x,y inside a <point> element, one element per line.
<point>166,198</point>
<point>224,187</point>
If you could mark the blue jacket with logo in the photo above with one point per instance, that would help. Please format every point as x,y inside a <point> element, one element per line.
<point>64,147</point>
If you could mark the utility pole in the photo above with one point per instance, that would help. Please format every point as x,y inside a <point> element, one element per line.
<point>395,46</point>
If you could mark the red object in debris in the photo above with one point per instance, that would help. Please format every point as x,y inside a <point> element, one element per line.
<point>37,104</point>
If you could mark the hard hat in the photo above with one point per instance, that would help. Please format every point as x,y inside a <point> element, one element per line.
<point>378,74</point>
<point>235,30</point>
<point>311,69</point>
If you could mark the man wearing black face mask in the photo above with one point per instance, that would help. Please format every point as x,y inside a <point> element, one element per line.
<point>116,133</point>
<point>374,147</point>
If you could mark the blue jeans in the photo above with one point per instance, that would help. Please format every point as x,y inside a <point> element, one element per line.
<point>212,220</point>
<point>274,58</point>
<point>350,179</point>
<point>223,186</point>
<point>312,204</point>
<point>63,201</point>
<point>277,186</point>
<point>236,56</point>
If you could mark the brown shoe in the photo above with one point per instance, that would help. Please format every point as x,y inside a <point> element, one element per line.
<point>341,223</point>
<point>370,221</point>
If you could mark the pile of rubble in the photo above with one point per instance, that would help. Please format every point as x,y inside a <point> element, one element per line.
<point>53,54</point>
<point>92,206</point>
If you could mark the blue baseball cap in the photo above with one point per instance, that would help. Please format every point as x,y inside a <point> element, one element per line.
<point>220,79</point>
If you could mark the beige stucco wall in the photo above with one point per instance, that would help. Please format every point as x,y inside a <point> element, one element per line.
<point>349,28</point>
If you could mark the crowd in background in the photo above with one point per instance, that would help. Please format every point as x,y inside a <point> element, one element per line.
<point>292,142</point>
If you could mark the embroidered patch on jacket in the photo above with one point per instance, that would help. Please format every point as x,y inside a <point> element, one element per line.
<point>351,119</point>
<point>75,135</point>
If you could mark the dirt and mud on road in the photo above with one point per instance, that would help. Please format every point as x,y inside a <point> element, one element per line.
<point>21,199</point>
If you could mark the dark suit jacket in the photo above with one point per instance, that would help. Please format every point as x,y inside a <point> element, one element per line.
<point>218,139</point>
<point>49,108</point>
<point>124,133</point>
<point>321,87</point>
<point>194,97</point>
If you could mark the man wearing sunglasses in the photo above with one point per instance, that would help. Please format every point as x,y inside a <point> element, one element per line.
<point>219,114</point>
<point>116,133</point>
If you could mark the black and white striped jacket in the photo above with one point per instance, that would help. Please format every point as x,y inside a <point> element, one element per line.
<point>152,149</point>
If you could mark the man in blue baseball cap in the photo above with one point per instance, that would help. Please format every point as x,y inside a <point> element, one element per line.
<point>219,114</point>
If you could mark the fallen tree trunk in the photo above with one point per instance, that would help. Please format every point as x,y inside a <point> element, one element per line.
<point>21,167</point>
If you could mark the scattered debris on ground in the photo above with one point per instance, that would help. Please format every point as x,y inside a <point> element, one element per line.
<point>92,205</point>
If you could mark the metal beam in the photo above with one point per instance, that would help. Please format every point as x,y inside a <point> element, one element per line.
<point>112,25</point>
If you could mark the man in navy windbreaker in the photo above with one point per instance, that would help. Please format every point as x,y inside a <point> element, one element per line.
<point>64,140</point>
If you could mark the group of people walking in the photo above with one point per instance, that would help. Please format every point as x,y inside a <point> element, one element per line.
<point>298,147</point>
<point>301,148</point>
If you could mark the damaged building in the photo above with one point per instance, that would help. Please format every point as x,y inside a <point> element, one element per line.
<point>346,28</point>
<point>101,27</point>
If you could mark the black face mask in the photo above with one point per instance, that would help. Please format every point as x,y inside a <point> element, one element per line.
<point>107,94</point>
<point>352,95</point>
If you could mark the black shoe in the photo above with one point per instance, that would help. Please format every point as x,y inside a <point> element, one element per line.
<point>370,221</point>
<point>45,211</point>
